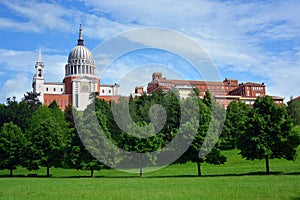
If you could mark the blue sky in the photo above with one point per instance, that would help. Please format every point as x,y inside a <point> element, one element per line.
<point>256,41</point>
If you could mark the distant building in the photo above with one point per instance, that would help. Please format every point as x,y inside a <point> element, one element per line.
<point>80,83</point>
<point>224,92</point>
<point>296,99</point>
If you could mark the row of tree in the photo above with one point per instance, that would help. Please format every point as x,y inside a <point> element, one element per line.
<point>265,131</point>
<point>146,131</point>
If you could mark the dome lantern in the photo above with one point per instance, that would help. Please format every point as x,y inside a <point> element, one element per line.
<point>80,60</point>
<point>80,39</point>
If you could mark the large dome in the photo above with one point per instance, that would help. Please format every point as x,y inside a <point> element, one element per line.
<point>80,60</point>
<point>80,52</point>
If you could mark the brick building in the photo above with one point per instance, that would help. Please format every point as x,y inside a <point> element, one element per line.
<point>224,92</point>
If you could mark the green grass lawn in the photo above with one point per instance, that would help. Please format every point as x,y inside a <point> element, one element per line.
<point>236,179</point>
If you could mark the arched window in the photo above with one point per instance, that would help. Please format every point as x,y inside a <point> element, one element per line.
<point>39,73</point>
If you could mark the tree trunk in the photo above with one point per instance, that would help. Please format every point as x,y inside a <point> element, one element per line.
<point>92,173</point>
<point>11,171</point>
<point>267,165</point>
<point>48,170</point>
<point>141,170</point>
<point>199,167</point>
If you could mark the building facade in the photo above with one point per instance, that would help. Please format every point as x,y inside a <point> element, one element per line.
<point>224,92</point>
<point>80,84</point>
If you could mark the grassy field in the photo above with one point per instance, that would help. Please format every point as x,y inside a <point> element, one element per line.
<point>237,179</point>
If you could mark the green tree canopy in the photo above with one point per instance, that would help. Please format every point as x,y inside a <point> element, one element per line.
<point>48,142</point>
<point>268,133</point>
<point>294,110</point>
<point>12,145</point>
<point>90,147</point>
<point>48,134</point>
<point>32,100</point>
<point>236,116</point>
<point>204,147</point>
<point>140,138</point>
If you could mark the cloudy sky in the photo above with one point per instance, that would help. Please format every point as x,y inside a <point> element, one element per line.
<point>256,41</point>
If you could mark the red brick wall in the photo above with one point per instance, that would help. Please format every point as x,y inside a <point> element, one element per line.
<point>68,84</point>
<point>63,100</point>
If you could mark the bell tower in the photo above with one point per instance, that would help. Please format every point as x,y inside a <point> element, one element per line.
<point>38,78</point>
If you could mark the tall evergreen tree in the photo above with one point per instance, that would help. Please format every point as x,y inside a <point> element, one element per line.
<point>32,100</point>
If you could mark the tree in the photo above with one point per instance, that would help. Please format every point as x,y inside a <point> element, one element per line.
<point>204,147</point>
<point>269,133</point>
<point>88,147</point>
<point>294,110</point>
<point>12,144</point>
<point>208,99</point>
<point>236,115</point>
<point>18,112</point>
<point>47,132</point>
<point>171,104</point>
<point>140,138</point>
<point>217,112</point>
<point>3,114</point>
<point>77,156</point>
<point>59,117</point>
<point>48,141</point>
<point>32,100</point>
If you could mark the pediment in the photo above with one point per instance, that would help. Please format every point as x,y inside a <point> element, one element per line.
<point>85,79</point>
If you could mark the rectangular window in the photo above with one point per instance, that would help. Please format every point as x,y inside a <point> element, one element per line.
<point>76,100</point>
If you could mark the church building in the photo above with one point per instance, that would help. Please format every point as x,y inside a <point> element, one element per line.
<point>80,84</point>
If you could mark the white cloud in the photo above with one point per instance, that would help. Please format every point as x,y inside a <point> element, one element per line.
<point>233,33</point>
<point>40,15</point>
<point>15,86</point>
<point>17,70</point>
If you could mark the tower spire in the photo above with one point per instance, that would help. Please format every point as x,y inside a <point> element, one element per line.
<point>80,39</point>
<point>40,60</point>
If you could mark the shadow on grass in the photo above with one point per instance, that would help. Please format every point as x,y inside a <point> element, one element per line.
<point>295,198</point>
<point>280,173</point>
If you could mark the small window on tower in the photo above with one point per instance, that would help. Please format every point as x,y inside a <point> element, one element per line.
<point>39,73</point>
<point>54,89</point>
<point>61,89</point>
<point>47,89</point>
